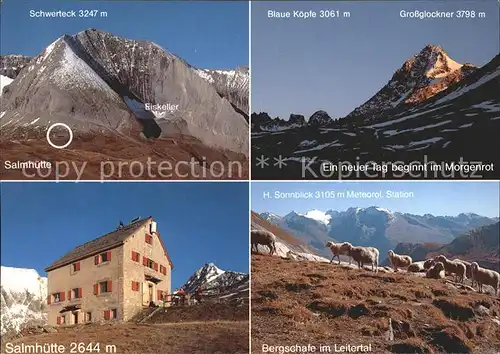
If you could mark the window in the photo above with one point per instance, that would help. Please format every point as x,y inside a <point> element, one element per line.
<point>76,292</point>
<point>75,267</point>
<point>55,298</point>
<point>88,317</point>
<point>163,270</point>
<point>102,258</point>
<point>149,239</point>
<point>102,287</point>
<point>135,286</point>
<point>61,320</point>
<point>135,256</point>
<point>110,314</point>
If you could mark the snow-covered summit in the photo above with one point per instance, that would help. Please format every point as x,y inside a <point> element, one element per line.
<point>22,301</point>
<point>212,279</point>
<point>21,280</point>
<point>420,77</point>
<point>318,215</point>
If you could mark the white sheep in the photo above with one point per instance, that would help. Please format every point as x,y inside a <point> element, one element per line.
<point>399,260</point>
<point>265,238</point>
<point>485,276</point>
<point>458,269</point>
<point>290,255</point>
<point>436,271</point>
<point>416,267</point>
<point>364,255</point>
<point>339,249</point>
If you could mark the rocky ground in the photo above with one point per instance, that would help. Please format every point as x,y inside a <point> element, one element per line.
<point>109,153</point>
<point>326,304</point>
<point>210,328</point>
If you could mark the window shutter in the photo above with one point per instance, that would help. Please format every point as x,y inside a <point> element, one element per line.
<point>106,314</point>
<point>61,296</point>
<point>77,266</point>
<point>144,261</point>
<point>155,266</point>
<point>96,260</point>
<point>158,294</point>
<point>49,299</point>
<point>133,286</point>
<point>79,292</point>
<point>133,255</point>
<point>58,320</point>
<point>109,286</point>
<point>96,289</point>
<point>69,294</point>
<point>108,255</point>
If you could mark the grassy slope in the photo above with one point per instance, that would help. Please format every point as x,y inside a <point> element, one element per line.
<point>315,303</point>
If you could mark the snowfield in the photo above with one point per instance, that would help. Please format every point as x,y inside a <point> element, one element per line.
<point>4,82</point>
<point>23,296</point>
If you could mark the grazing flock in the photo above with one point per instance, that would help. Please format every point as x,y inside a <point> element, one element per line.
<point>435,268</point>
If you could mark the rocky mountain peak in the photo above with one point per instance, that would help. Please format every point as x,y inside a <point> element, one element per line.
<point>212,279</point>
<point>319,118</point>
<point>297,119</point>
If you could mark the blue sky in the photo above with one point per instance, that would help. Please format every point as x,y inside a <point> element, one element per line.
<point>199,222</point>
<point>206,34</point>
<point>302,66</point>
<point>437,198</point>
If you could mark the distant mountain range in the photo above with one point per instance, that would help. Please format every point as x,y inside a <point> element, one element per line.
<point>432,105</point>
<point>374,226</point>
<point>480,245</point>
<point>102,85</point>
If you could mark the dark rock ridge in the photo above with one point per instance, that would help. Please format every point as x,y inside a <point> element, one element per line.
<point>97,82</point>
<point>232,85</point>
<point>319,118</point>
<point>11,65</point>
<point>263,122</point>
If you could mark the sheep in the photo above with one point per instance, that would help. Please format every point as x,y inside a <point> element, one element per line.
<point>485,276</point>
<point>338,249</point>
<point>468,269</point>
<point>265,238</point>
<point>429,263</point>
<point>436,271</point>
<point>291,256</point>
<point>453,267</point>
<point>364,255</point>
<point>399,260</point>
<point>416,267</point>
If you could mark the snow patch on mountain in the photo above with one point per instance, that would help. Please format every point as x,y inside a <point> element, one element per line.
<point>76,72</point>
<point>468,88</point>
<point>22,302</point>
<point>318,215</point>
<point>48,50</point>
<point>20,280</point>
<point>213,280</point>
<point>4,82</point>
